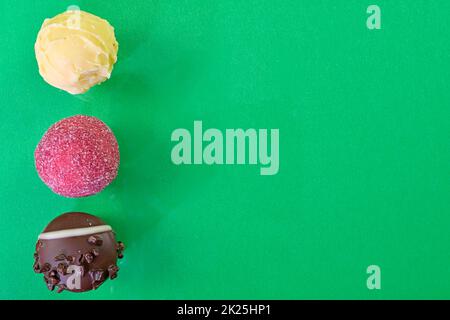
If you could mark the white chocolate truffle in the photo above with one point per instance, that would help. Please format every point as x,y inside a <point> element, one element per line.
<point>76,50</point>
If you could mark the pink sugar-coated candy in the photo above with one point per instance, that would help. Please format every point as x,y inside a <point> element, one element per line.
<point>77,156</point>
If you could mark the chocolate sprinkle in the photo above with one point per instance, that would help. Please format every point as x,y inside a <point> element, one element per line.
<point>89,257</point>
<point>46,267</point>
<point>61,257</point>
<point>112,271</point>
<point>61,288</point>
<point>120,247</point>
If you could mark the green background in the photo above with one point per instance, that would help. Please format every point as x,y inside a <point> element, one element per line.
<point>364,119</point>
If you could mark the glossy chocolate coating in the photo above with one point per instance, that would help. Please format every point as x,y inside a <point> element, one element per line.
<point>94,256</point>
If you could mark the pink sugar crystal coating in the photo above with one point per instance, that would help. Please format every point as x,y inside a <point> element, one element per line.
<point>77,156</point>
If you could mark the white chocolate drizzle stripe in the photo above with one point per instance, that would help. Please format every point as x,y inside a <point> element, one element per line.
<point>67,233</point>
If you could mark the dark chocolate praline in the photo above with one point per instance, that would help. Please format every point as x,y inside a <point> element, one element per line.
<point>77,252</point>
